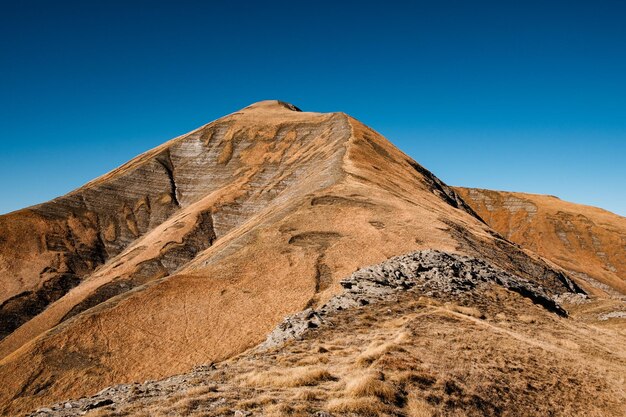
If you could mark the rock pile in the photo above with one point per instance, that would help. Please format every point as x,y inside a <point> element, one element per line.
<point>429,272</point>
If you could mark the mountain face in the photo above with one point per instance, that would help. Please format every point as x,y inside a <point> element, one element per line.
<point>195,251</point>
<point>588,242</point>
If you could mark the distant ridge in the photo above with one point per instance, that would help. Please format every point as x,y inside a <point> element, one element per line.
<point>587,241</point>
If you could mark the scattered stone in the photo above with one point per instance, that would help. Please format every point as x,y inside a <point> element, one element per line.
<point>572,298</point>
<point>204,367</point>
<point>612,315</point>
<point>98,404</point>
<point>432,273</point>
<point>293,327</point>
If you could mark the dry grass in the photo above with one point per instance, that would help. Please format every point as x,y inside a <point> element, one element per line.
<point>370,384</point>
<point>549,231</point>
<point>308,395</point>
<point>258,401</point>
<point>366,406</point>
<point>468,311</point>
<point>527,319</point>
<point>280,410</point>
<point>294,377</point>
<point>417,407</point>
<point>312,360</point>
<point>186,406</point>
<point>419,378</point>
<point>372,353</point>
<point>201,390</point>
<point>423,360</point>
<point>377,350</point>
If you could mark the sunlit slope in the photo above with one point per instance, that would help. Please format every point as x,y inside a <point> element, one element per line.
<point>587,241</point>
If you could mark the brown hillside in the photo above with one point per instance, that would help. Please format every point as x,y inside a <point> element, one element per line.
<point>480,351</point>
<point>194,251</point>
<point>588,242</point>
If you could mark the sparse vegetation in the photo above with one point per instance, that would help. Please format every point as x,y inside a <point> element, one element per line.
<point>418,359</point>
<point>418,407</point>
<point>468,311</point>
<point>372,353</point>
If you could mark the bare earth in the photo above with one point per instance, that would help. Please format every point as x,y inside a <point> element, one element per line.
<point>194,251</point>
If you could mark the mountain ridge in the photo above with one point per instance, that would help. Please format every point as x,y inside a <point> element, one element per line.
<point>587,241</point>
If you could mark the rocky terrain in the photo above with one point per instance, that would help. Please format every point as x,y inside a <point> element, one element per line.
<point>428,272</point>
<point>237,244</point>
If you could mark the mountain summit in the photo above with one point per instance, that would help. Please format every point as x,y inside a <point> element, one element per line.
<point>194,251</point>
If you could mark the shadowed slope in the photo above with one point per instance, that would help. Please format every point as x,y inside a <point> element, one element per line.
<point>587,241</point>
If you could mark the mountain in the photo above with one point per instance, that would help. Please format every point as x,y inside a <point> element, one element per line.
<point>193,252</point>
<point>588,242</point>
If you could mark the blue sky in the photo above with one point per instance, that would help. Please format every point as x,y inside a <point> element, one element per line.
<point>525,96</point>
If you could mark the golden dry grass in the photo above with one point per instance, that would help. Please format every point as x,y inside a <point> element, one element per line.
<point>418,407</point>
<point>278,176</point>
<point>370,384</point>
<point>576,237</point>
<point>293,377</point>
<point>262,200</point>
<point>280,410</point>
<point>373,352</point>
<point>308,395</point>
<point>186,405</point>
<point>468,311</point>
<point>364,406</point>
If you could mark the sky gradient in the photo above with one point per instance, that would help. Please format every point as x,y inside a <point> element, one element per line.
<point>520,96</point>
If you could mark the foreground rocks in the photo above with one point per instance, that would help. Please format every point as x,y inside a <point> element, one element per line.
<point>430,272</point>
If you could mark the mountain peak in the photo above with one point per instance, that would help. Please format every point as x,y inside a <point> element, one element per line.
<point>272,105</point>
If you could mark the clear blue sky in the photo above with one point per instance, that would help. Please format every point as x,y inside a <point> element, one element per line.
<point>516,95</point>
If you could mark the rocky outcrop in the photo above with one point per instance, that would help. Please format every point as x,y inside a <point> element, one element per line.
<point>430,272</point>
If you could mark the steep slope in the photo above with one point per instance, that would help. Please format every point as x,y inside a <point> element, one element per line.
<point>588,242</point>
<point>211,239</point>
